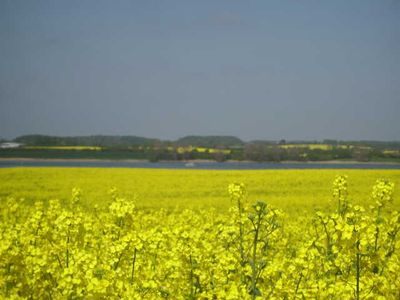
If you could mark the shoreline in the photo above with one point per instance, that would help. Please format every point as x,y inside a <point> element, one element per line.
<point>194,161</point>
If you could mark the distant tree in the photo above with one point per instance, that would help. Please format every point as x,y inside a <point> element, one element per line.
<point>257,152</point>
<point>330,142</point>
<point>219,156</point>
<point>277,153</point>
<point>341,153</point>
<point>209,141</point>
<point>296,154</point>
<point>361,154</point>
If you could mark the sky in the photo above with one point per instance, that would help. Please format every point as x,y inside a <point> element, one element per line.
<point>295,70</point>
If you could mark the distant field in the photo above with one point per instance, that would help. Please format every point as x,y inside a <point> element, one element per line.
<point>392,152</point>
<point>199,149</point>
<point>78,148</point>
<point>290,190</point>
<point>316,146</point>
<point>71,153</point>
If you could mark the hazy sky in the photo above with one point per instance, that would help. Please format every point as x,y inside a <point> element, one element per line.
<point>165,69</point>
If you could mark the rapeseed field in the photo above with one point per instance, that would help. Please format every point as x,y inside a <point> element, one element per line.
<point>69,233</point>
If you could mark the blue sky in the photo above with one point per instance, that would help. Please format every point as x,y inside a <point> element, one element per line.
<point>165,69</point>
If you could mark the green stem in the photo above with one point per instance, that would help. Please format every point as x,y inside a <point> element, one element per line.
<point>298,283</point>
<point>133,265</point>
<point>358,270</point>
<point>67,251</point>
<point>192,292</point>
<point>254,256</point>
<point>377,229</point>
<point>328,239</point>
<point>241,234</point>
<point>119,260</point>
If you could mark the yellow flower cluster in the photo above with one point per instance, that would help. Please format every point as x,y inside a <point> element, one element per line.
<point>57,250</point>
<point>382,192</point>
<point>237,191</point>
<point>340,193</point>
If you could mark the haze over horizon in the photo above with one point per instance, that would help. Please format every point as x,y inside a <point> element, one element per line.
<point>165,69</point>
